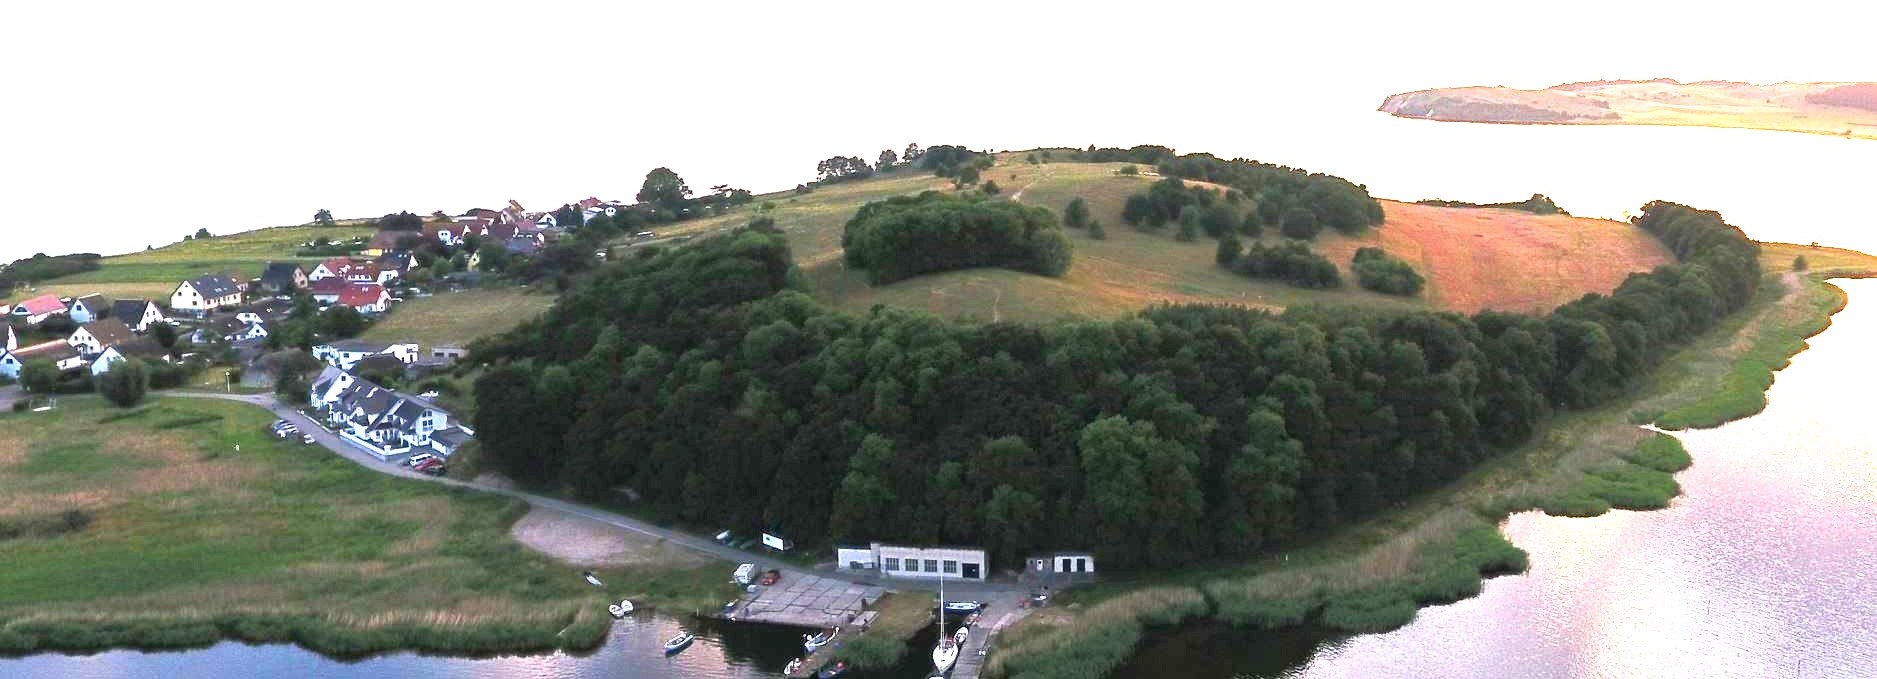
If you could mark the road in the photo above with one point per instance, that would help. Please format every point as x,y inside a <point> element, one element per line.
<point>711,548</point>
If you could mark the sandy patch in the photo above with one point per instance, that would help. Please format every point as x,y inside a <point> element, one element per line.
<point>585,542</point>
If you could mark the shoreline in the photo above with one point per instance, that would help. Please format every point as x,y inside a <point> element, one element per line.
<point>1376,575</point>
<point>1857,134</point>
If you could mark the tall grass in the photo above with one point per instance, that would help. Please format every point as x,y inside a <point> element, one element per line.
<point>1742,391</point>
<point>1098,640</point>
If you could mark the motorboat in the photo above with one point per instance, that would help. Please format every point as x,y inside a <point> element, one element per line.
<point>592,580</point>
<point>963,606</point>
<point>960,636</point>
<point>625,605</point>
<point>616,610</point>
<point>678,643</point>
<point>814,642</point>
<point>793,665</point>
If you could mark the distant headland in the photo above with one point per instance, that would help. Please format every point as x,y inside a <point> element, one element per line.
<point>1838,109</point>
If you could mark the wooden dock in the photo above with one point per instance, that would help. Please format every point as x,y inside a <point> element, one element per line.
<point>978,647</point>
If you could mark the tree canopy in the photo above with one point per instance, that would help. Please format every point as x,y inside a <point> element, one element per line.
<point>906,236</point>
<point>1377,271</point>
<point>664,190</point>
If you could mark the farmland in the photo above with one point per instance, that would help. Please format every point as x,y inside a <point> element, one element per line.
<point>242,254</point>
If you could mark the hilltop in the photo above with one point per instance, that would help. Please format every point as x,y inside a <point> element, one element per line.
<point>1839,109</point>
<point>1474,258</point>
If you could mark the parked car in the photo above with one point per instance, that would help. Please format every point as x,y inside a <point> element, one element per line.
<point>426,465</point>
<point>286,431</point>
<point>770,577</point>
<point>435,470</point>
<point>419,458</point>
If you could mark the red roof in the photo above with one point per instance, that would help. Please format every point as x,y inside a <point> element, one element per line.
<point>343,268</point>
<point>328,286</point>
<point>362,294</point>
<point>43,304</point>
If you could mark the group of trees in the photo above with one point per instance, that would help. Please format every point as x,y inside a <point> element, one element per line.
<point>702,380</point>
<point>1299,203</point>
<point>1193,207</point>
<point>905,236</point>
<point>1377,271</point>
<point>949,161</point>
<point>40,267</point>
<point>1291,261</point>
<point>845,168</point>
<point>400,221</point>
<point>1538,204</point>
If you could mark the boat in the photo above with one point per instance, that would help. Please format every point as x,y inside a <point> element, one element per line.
<point>678,643</point>
<point>592,580</point>
<point>811,643</point>
<point>962,606</point>
<point>830,672</point>
<point>945,654</point>
<point>616,610</point>
<point>961,635</point>
<point>625,606</point>
<point>793,665</point>
<point>972,620</point>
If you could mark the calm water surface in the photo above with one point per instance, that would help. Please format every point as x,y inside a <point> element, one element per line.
<point>1766,566</point>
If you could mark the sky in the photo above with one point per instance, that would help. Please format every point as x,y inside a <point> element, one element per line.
<point>134,123</point>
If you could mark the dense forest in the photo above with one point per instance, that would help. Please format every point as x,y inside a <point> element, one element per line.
<point>905,236</point>
<point>705,382</point>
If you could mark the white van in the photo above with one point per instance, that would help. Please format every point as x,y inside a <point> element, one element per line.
<point>745,573</point>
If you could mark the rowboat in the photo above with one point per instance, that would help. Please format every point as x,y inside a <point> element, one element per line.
<point>592,580</point>
<point>815,642</point>
<point>962,606</point>
<point>678,643</point>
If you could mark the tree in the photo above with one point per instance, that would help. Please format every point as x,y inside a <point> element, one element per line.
<point>842,168</point>
<point>493,259</point>
<point>1096,231</point>
<point>1189,224</point>
<point>1799,263</point>
<point>967,176</point>
<point>165,334</point>
<point>1075,214</point>
<point>1300,223</point>
<point>39,376</point>
<point>864,500</point>
<point>202,233</point>
<point>401,221</point>
<point>887,160</point>
<point>323,218</point>
<point>125,383</point>
<point>912,153</point>
<point>341,321</point>
<point>1128,171</point>
<point>1229,249</point>
<point>665,190</point>
<point>991,188</point>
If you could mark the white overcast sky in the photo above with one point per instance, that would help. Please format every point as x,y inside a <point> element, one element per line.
<point>135,122</point>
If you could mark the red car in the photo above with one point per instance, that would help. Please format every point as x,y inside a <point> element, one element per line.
<point>426,465</point>
<point>770,577</point>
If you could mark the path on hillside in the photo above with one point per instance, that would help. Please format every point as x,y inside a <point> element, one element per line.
<point>710,548</point>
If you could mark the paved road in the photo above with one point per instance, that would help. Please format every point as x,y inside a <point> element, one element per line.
<point>706,546</point>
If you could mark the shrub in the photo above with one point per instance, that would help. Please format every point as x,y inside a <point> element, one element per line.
<point>1799,263</point>
<point>1292,262</point>
<point>1075,214</point>
<point>1096,231</point>
<point>1128,170</point>
<point>1189,224</point>
<point>991,188</point>
<point>1377,271</point>
<point>125,383</point>
<point>1229,249</point>
<point>906,236</point>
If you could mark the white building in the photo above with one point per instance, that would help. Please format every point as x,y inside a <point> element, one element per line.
<point>1062,563</point>
<point>951,563</point>
<point>383,422</point>
<point>203,294</point>
<point>344,354</point>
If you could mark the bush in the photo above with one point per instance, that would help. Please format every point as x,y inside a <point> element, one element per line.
<point>1229,249</point>
<point>906,236</point>
<point>1292,262</point>
<point>1075,214</point>
<point>125,383</point>
<point>1377,271</point>
<point>1300,223</point>
<point>1799,263</point>
<point>1096,231</point>
<point>991,188</point>
<point>1128,170</point>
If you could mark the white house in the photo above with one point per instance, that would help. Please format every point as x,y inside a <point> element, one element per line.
<point>141,348</point>
<point>1062,563</point>
<point>344,354</point>
<point>203,294</point>
<point>138,314</point>
<point>88,308</point>
<point>9,364</point>
<point>382,421</point>
<point>229,329</point>
<point>930,563</point>
<point>92,338</point>
<point>62,354</point>
<point>36,310</point>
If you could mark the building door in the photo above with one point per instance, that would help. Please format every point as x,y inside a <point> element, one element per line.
<point>1081,565</point>
<point>971,571</point>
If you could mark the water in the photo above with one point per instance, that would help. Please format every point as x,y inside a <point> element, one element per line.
<point>1762,568</point>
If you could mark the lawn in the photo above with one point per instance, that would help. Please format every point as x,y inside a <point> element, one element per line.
<point>242,254</point>
<point>459,317</point>
<point>192,524</point>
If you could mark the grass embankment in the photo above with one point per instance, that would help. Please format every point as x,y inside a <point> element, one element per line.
<point>242,254</point>
<point>192,541</point>
<point>901,615</point>
<point>1372,576</point>
<point>459,317</point>
<point>1473,258</point>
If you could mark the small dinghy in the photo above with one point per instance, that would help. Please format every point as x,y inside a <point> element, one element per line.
<point>960,636</point>
<point>794,665</point>
<point>962,606</point>
<point>592,580</point>
<point>678,643</point>
<point>619,610</point>
<point>830,672</point>
<point>626,605</point>
<point>811,643</point>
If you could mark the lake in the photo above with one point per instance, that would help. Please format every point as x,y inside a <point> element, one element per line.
<point>1762,568</point>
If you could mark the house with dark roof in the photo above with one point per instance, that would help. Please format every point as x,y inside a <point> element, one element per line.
<point>283,277</point>
<point>385,423</point>
<point>231,328</point>
<point>344,354</point>
<point>525,246</point>
<point>88,308</point>
<point>206,293</point>
<point>142,348</point>
<point>62,354</point>
<point>400,261</point>
<point>91,338</point>
<point>138,314</point>
<point>36,310</point>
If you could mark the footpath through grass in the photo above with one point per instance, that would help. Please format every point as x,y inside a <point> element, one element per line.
<point>1373,576</point>
<point>189,524</point>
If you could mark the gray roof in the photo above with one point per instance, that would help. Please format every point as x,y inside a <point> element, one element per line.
<point>129,310</point>
<point>215,285</point>
<point>95,303</point>
<point>55,351</point>
<point>358,345</point>
<point>279,273</point>
<point>451,438</point>
<point>142,347</point>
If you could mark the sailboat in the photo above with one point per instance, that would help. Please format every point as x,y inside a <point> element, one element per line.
<point>945,654</point>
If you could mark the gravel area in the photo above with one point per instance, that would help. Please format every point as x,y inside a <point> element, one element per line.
<point>588,542</point>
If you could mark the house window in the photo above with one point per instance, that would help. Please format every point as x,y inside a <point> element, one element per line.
<point>951,566</point>
<point>892,564</point>
<point>931,565</point>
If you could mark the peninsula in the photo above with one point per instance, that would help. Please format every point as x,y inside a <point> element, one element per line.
<point>1838,109</point>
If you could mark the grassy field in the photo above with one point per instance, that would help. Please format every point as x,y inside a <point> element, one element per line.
<point>1373,575</point>
<point>901,615</point>
<point>242,254</point>
<point>459,317</point>
<point>1474,259</point>
<point>196,526</point>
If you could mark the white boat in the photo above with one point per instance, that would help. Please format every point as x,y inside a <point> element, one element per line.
<point>678,643</point>
<point>962,606</point>
<point>959,637</point>
<point>945,654</point>
<point>794,665</point>
<point>592,580</point>
<point>616,610</point>
<point>811,643</point>
<point>625,606</point>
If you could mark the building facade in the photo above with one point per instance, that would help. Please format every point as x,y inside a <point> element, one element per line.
<point>925,563</point>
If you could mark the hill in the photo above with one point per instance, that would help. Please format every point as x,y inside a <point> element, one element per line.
<point>1474,258</point>
<point>1841,109</point>
<point>154,273</point>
